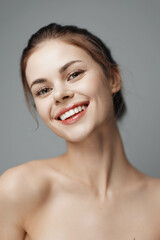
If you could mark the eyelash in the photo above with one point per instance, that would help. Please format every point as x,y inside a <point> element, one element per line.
<point>76,72</point>
<point>39,92</point>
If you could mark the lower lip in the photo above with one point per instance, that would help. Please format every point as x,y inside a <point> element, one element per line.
<point>74,118</point>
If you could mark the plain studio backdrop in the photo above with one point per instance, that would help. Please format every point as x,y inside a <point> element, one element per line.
<point>130,29</point>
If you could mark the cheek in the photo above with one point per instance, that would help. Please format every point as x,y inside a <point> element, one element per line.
<point>90,85</point>
<point>100,91</point>
<point>97,87</point>
<point>42,109</point>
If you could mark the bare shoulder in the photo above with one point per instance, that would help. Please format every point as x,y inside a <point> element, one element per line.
<point>25,183</point>
<point>151,192</point>
<point>147,188</point>
<point>22,190</point>
<point>153,186</point>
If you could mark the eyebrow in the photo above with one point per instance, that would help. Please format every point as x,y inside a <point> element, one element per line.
<point>61,70</point>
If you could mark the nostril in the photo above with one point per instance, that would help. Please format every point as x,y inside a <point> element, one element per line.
<point>65,97</point>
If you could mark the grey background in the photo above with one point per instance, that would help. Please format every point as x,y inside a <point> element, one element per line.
<point>131,30</point>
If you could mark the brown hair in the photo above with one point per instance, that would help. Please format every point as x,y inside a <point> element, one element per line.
<point>78,37</point>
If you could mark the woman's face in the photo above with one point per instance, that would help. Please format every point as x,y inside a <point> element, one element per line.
<point>62,77</point>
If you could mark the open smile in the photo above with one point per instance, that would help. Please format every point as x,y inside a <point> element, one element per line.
<point>73,114</point>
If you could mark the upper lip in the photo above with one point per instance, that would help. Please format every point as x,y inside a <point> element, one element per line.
<point>69,107</point>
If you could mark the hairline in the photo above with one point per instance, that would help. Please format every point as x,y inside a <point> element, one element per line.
<point>62,39</point>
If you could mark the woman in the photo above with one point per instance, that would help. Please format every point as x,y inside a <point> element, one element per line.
<point>91,191</point>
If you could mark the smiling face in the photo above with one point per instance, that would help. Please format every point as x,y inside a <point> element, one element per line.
<point>62,77</point>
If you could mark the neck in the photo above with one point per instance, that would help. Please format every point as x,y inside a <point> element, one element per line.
<point>99,161</point>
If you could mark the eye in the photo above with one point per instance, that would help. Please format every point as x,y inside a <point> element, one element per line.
<point>43,91</point>
<point>75,74</point>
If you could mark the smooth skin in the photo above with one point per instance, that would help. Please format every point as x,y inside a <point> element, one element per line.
<point>92,191</point>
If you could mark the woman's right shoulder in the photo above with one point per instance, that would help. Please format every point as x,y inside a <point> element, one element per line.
<point>23,184</point>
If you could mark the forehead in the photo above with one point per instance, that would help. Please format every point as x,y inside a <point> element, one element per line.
<point>57,53</point>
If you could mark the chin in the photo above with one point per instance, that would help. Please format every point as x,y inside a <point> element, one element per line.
<point>76,139</point>
<point>75,134</point>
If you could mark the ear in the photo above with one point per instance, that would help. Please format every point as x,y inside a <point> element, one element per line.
<point>115,81</point>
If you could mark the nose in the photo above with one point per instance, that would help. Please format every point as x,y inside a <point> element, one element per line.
<point>61,94</point>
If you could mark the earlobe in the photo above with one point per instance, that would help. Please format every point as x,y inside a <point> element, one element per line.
<point>115,81</point>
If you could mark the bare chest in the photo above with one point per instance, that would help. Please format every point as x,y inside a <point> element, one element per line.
<point>69,217</point>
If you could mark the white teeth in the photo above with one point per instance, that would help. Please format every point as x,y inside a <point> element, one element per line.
<point>79,108</point>
<point>76,110</point>
<point>72,112</point>
<point>67,114</point>
<point>62,117</point>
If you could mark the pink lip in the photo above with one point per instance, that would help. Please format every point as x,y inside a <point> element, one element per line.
<point>62,111</point>
<point>74,118</point>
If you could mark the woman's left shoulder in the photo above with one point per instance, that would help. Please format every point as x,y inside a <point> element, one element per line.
<point>153,188</point>
<point>151,202</point>
<point>153,182</point>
